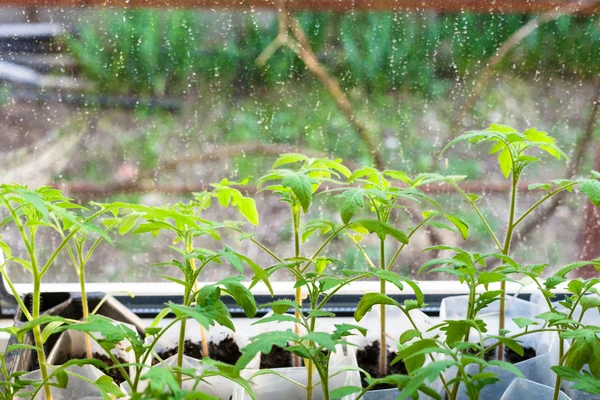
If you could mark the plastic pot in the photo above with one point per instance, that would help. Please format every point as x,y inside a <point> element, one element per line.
<point>281,387</point>
<point>396,324</point>
<point>591,317</point>
<point>215,386</point>
<point>536,369</point>
<point>526,389</point>
<point>71,345</point>
<point>68,306</point>
<point>76,388</point>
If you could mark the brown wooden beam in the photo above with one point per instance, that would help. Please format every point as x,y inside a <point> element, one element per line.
<point>84,191</point>
<point>484,6</point>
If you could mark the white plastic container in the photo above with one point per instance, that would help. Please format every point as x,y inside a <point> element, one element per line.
<point>215,386</point>
<point>537,369</point>
<point>76,388</point>
<point>285,386</point>
<point>396,324</point>
<point>71,345</point>
<point>526,389</point>
<point>591,317</point>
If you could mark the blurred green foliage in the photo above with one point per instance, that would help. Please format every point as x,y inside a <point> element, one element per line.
<point>152,52</point>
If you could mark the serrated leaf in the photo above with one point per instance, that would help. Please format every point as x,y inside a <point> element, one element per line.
<point>523,322</point>
<point>353,201</point>
<point>381,229</point>
<point>591,188</point>
<point>301,186</point>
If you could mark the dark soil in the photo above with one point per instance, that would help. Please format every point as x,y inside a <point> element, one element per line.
<point>509,355</point>
<point>114,373</point>
<point>190,349</point>
<point>514,358</point>
<point>277,358</point>
<point>368,359</point>
<point>227,351</point>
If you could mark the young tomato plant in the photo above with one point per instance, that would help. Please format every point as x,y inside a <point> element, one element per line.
<point>516,150</point>
<point>32,211</point>
<point>306,342</point>
<point>383,198</point>
<point>469,268</point>
<point>184,221</point>
<point>567,317</point>
<point>296,187</point>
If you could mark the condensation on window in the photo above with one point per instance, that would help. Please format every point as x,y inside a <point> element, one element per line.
<point>151,105</point>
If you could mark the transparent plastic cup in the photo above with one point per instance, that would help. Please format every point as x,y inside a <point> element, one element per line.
<point>396,324</point>
<point>526,389</point>
<point>286,383</point>
<point>537,369</point>
<point>76,388</point>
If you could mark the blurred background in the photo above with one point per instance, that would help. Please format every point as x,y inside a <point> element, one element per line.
<point>149,105</point>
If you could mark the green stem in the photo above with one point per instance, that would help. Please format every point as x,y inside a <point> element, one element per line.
<point>382,337</point>
<point>333,234</point>
<point>16,295</point>
<point>542,200</point>
<point>561,351</point>
<point>149,352</point>
<point>296,222</point>
<point>471,303</point>
<point>84,302</point>
<point>260,245</point>
<point>506,251</point>
<point>365,255</point>
<point>180,348</point>
<point>37,333</point>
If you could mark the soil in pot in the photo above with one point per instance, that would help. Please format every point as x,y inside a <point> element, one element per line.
<point>513,358</point>
<point>509,355</point>
<point>368,359</point>
<point>226,351</point>
<point>190,349</point>
<point>277,358</point>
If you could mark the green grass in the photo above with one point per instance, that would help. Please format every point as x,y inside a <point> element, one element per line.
<point>150,52</point>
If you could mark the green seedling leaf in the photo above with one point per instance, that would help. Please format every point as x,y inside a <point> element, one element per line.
<point>591,188</point>
<point>524,322</point>
<point>585,349</point>
<point>409,335</point>
<point>281,306</point>
<point>50,329</point>
<point>301,186</point>
<point>242,296</point>
<point>264,343</point>
<point>289,158</point>
<point>381,229</point>
<point>321,338</point>
<point>412,360</point>
<point>106,385</point>
<point>583,381</point>
<point>507,367</point>
<point>369,300</point>
<point>353,201</point>
<point>277,318</point>
<point>461,225</point>
<point>430,372</point>
<point>344,391</point>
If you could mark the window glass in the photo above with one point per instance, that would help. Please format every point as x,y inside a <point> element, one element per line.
<point>151,105</point>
